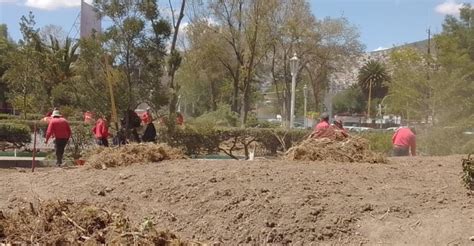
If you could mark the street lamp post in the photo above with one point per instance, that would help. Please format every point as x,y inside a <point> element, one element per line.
<point>305,90</point>
<point>294,71</point>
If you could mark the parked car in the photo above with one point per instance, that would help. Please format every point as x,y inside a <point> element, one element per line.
<point>359,129</point>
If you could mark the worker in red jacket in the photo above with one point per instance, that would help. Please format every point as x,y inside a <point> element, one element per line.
<point>322,126</point>
<point>101,132</point>
<point>147,118</point>
<point>58,128</point>
<point>404,142</point>
<point>323,123</point>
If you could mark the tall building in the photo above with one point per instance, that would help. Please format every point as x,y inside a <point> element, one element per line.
<point>90,20</point>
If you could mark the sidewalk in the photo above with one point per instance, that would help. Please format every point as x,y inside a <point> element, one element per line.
<point>8,161</point>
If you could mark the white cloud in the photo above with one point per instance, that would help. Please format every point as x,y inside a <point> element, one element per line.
<point>8,1</point>
<point>53,4</point>
<point>449,7</point>
<point>380,48</point>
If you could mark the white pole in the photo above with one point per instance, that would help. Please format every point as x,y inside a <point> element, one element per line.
<point>305,94</point>
<point>293,89</point>
<point>305,101</point>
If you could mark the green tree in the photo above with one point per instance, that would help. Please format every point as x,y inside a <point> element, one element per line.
<point>350,100</point>
<point>6,45</point>
<point>373,78</point>
<point>23,68</point>
<point>59,59</point>
<point>438,88</point>
<point>136,43</point>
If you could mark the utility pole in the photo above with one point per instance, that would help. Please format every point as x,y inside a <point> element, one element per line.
<point>428,77</point>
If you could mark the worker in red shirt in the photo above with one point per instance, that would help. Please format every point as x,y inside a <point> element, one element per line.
<point>58,128</point>
<point>340,127</point>
<point>101,132</point>
<point>323,123</point>
<point>322,126</point>
<point>404,142</point>
<point>179,119</point>
<point>147,118</point>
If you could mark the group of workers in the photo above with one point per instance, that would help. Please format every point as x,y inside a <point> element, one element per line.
<point>60,130</point>
<point>403,140</point>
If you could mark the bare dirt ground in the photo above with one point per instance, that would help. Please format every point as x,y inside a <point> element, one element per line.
<point>408,201</point>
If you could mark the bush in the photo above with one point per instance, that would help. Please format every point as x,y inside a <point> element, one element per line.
<point>379,141</point>
<point>81,138</point>
<point>16,134</point>
<point>433,141</point>
<point>222,117</point>
<point>20,117</point>
<point>40,125</point>
<point>198,141</point>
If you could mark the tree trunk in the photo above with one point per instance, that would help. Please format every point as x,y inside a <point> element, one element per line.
<point>213,96</point>
<point>172,70</point>
<point>235,94</point>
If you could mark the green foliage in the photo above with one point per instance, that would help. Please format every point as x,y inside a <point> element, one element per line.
<point>16,134</point>
<point>81,138</point>
<point>349,101</point>
<point>380,142</point>
<point>222,117</point>
<point>40,125</point>
<point>443,141</point>
<point>134,47</point>
<point>207,141</point>
<point>16,117</point>
<point>374,74</point>
<point>438,87</point>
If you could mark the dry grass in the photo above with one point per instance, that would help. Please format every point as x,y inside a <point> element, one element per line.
<point>131,154</point>
<point>468,172</point>
<point>68,223</point>
<point>351,149</point>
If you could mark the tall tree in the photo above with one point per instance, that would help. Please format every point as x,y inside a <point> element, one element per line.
<point>6,46</point>
<point>372,78</point>
<point>136,41</point>
<point>23,67</point>
<point>174,62</point>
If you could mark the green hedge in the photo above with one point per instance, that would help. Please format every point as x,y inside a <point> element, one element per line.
<point>379,141</point>
<point>39,124</point>
<point>20,117</point>
<point>16,134</point>
<point>207,141</point>
<point>201,141</point>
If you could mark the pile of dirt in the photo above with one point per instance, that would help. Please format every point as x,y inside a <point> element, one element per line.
<point>65,222</point>
<point>347,149</point>
<point>468,172</point>
<point>102,158</point>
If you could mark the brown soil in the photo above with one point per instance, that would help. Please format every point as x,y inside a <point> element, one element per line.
<point>342,149</point>
<point>131,154</point>
<point>414,201</point>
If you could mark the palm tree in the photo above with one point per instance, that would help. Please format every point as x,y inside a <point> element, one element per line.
<point>60,60</point>
<point>373,76</point>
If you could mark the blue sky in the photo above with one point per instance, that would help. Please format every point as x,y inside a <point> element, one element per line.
<point>382,23</point>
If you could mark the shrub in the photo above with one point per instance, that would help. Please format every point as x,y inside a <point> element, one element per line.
<point>379,141</point>
<point>198,141</point>
<point>81,138</point>
<point>432,141</point>
<point>222,117</point>
<point>20,117</point>
<point>16,134</point>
